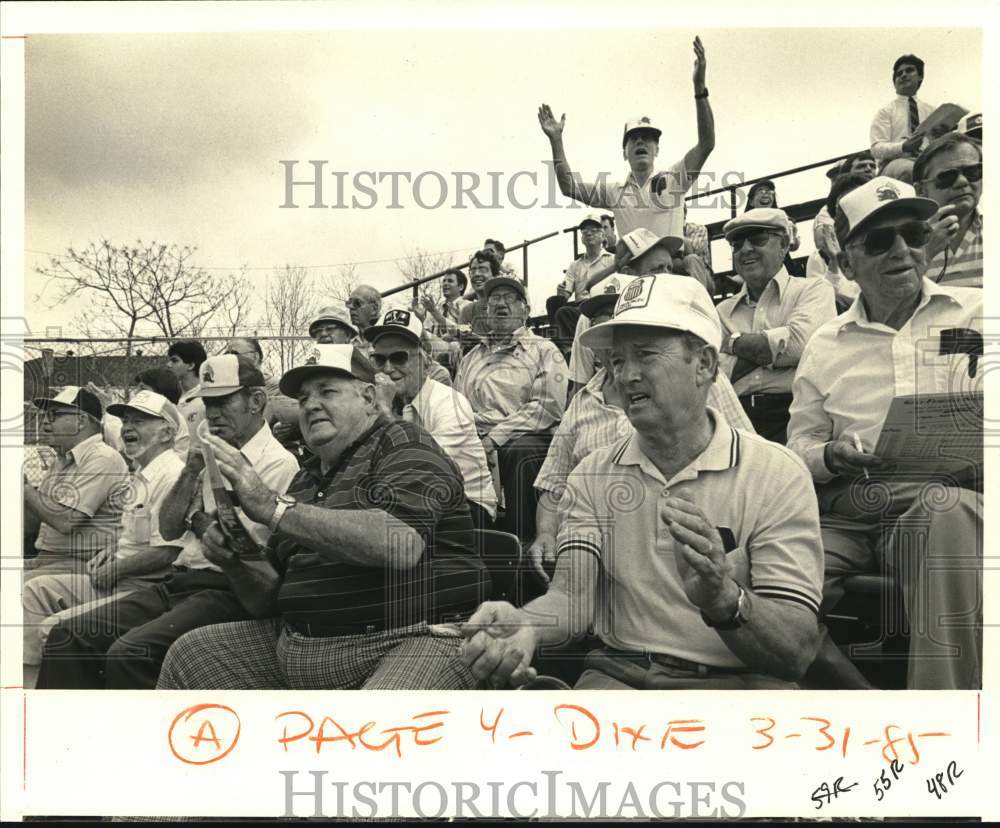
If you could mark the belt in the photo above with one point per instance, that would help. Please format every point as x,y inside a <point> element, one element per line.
<point>333,630</point>
<point>664,660</point>
<point>766,400</point>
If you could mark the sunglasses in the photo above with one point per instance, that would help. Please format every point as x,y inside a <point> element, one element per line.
<point>758,238</point>
<point>397,358</point>
<point>946,178</point>
<point>881,240</point>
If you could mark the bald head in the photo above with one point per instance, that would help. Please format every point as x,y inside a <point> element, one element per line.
<point>365,306</point>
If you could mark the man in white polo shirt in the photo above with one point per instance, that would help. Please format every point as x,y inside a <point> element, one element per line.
<point>647,198</point>
<point>439,409</point>
<point>904,335</point>
<point>149,425</point>
<point>691,548</point>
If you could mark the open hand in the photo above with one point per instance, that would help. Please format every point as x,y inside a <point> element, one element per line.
<point>550,126</point>
<point>699,66</point>
<point>701,557</point>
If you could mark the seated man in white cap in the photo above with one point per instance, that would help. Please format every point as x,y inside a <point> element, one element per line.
<point>149,424</point>
<point>439,409</point>
<point>372,547</point>
<point>903,336</point>
<point>516,383</point>
<point>121,646</point>
<point>692,549</point>
<point>73,504</point>
<point>583,275</point>
<point>639,253</point>
<point>595,418</point>
<point>647,198</point>
<point>766,325</point>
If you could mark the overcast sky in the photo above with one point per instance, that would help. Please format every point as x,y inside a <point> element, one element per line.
<point>178,137</point>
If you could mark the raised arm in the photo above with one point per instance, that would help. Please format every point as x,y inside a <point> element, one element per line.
<point>696,157</point>
<point>569,185</point>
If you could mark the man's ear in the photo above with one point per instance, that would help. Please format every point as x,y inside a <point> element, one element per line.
<point>367,392</point>
<point>708,363</point>
<point>844,260</point>
<point>259,398</point>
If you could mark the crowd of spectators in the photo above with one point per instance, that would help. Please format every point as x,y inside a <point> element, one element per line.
<point>693,478</point>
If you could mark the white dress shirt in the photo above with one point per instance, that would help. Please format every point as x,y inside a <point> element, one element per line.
<point>891,127</point>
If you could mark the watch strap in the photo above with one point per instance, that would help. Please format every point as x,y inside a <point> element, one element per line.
<point>736,621</point>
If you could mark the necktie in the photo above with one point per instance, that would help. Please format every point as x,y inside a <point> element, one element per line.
<point>914,115</point>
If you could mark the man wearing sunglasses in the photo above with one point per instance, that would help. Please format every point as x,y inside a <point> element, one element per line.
<point>440,410</point>
<point>950,171</point>
<point>516,383</point>
<point>892,342</point>
<point>895,139</point>
<point>75,503</point>
<point>365,306</point>
<point>767,324</point>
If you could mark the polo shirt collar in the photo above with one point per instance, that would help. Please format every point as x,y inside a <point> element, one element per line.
<point>721,453</point>
<point>780,282</point>
<point>155,467</point>
<point>82,450</point>
<point>314,465</point>
<point>930,291</point>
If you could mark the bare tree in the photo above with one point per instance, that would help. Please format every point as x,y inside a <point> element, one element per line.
<point>141,289</point>
<point>420,264</point>
<point>291,304</point>
<point>337,287</point>
<point>232,316</point>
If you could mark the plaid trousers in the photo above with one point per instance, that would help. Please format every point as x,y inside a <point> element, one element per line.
<point>267,655</point>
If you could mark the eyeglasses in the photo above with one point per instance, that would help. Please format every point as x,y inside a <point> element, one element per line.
<point>354,304</point>
<point>758,238</point>
<point>332,328</point>
<point>946,178</point>
<point>507,299</point>
<point>881,240</point>
<point>397,358</point>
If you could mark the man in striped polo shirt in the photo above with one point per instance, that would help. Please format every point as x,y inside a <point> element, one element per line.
<point>950,171</point>
<point>692,549</point>
<point>370,547</point>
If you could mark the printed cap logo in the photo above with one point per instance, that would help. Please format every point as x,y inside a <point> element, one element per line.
<point>397,317</point>
<point>974,122</point>
<point>644,119</point>
<point>207,373</point>
<point>313,357</point>
<point>886,193</point>
<point>635,295</point>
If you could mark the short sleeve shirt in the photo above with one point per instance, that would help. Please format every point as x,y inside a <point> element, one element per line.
<point>146,493</point>
<point>756,493</point>
<point>395,467</point>
<point>88,479</point>
<point>634,206</point>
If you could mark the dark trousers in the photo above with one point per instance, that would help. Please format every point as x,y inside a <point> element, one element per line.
<point>480,517</point>
<point>124,649</point>
<point>566,318</point>
<point>769,414</point>
<point>520,460</point>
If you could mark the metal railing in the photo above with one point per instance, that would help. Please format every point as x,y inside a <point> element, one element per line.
<point>796,212</point>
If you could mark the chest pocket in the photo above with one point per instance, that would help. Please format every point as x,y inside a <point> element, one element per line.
<point>736,555</point>
<point>963,341</point>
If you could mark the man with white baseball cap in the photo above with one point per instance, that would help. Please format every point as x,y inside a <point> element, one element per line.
<point>647,198</point>
<point>73,504</point>
<point>904,335</point>
<point>149,425</point>
<point>768,322</point>
<point>372,546</point>
<point>583,274</point>
<point>439,409</point>
<point>122,645</point>
<point>692,549</point>
<point>332,326</point>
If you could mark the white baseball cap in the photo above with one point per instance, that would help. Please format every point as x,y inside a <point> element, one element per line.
<point>771,218</point>
<point>227,374</point>
<point>72,396</point>
<point>398,321</point>
<point>864,203</point>
<point>637,123</point>
<point>663,300</point>
<point>590,218</point>
<point>642,240</point>
<point>971,125</point>
<point>343,360</point>
<point>149,402</point>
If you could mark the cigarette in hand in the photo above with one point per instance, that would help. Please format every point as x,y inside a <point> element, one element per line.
<point>861,449</point>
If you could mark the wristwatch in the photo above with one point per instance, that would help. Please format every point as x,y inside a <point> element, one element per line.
<point>282,503</point>
<point>739,618</point>
<point>732,341</point>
